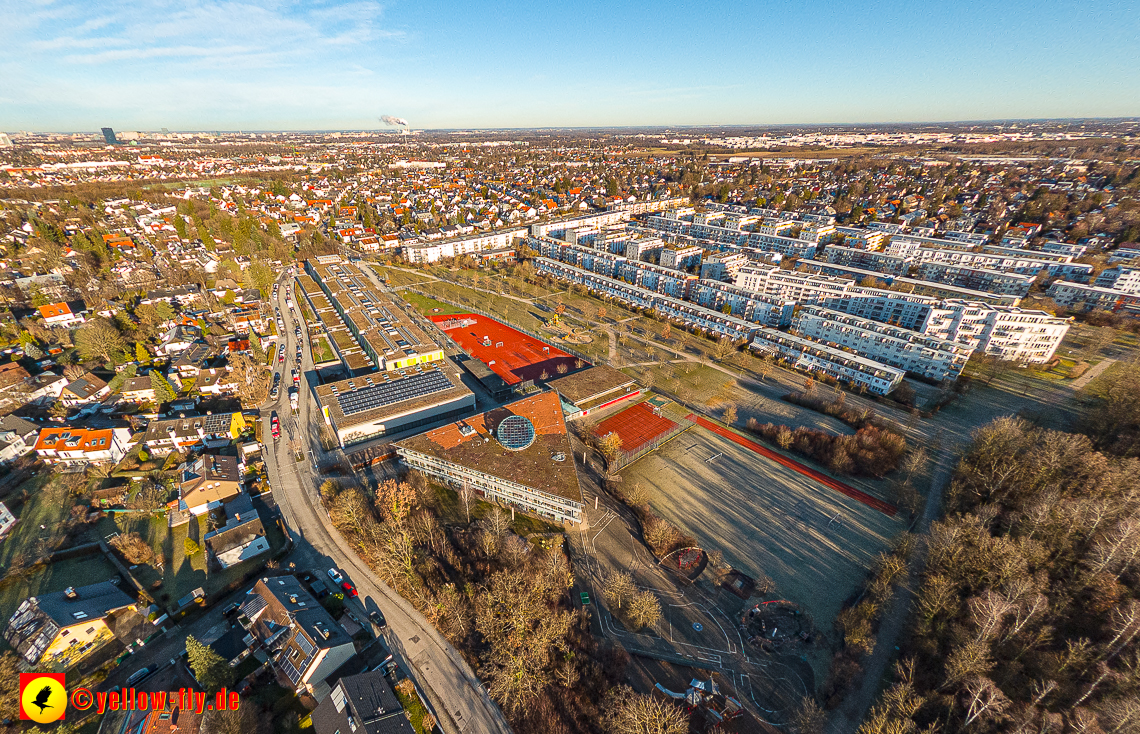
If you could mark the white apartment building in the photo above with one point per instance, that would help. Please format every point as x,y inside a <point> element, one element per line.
<point>1090,297</point>
<point>930,357</point>
<point>680,258</point>
<point>430,252</point>
<point>791,285</point>
<point>1121,278</point>
<point>810,356</point>
<point>908,310</point>
<point>683,312</point>
<point>723,266</point>
<point>980,279</point>
<point>1006,332</point>
<point>880,261</point>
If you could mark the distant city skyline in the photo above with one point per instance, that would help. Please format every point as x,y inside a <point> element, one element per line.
<point>228,65</point>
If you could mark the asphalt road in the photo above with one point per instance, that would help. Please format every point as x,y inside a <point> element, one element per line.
<point>460,702</point>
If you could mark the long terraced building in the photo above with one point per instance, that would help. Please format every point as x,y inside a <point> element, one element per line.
<point>397,376</point>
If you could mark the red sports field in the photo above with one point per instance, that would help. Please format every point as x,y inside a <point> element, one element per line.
<point>846,489</point>
<point>519,358</point>
<point>636,426</point>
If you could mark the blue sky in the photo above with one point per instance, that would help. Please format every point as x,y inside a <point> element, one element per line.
<point>248,64</point>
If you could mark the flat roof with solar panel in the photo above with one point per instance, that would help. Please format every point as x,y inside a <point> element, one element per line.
<point>384,402</point>
<point>360,399</point>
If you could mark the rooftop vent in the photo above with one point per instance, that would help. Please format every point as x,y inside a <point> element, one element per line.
<point>70,593</point>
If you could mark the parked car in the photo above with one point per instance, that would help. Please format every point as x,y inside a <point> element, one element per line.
<point>140,675</point>
<point>377,619</point>
<point>336,576</point>
<point>276,424</point>
<point>349,589</point>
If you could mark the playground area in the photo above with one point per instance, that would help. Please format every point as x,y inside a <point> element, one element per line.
<point>563,332</point>
<point>815,543</point>
<point>511,354</point>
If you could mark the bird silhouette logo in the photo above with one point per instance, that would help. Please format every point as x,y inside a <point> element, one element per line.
<point>43,698</point>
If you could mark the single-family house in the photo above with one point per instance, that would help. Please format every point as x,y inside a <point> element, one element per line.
<point>84,391</point>
<point>304,644</point>
<point>207,482</point>
<point>71,446</point>
<point>60,314</point>
<point>61,627</point>
<point>240,539</point>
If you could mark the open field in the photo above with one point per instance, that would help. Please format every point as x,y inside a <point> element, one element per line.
<point>814,543</point>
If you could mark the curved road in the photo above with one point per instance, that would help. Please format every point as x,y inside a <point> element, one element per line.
<point>459,699</point>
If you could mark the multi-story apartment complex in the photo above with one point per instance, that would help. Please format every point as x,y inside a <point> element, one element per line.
<point>689,314</point>
<point>723,266</point>
<point>1121,278</point>
<point>1090,297</point>
<point>880,261</point>
<point>681,258</point>
<point>811,356</point>
<point>791,285</point>
<point>1006,332</point>
<point>930,357</point>
<point>742,303</point>
<point>908,310</point>
<point>430,252</point>
<point>979,279</point>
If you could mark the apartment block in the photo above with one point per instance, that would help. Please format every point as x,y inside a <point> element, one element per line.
<point>810,356</point>
<point>1006,332</point>
<point>1090,297</point>
<point>880,261</point>
<point>1120,278</point>
<point>908,310</point>
<point>681,258</point>
<point>742,303</point>
<point>930,357</point>
<point>723,266</point>
<point>979,279</point>
<point>688,314</point>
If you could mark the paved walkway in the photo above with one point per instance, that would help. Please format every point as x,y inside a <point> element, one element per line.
<point>844,489</point>
<point>1096,369</point>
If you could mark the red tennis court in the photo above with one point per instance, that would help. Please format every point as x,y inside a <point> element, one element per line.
<point>845,489</point>
<point>635,426</point>
<point>520,357</point>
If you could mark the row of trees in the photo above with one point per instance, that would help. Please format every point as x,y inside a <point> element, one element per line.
<point>872,451</point>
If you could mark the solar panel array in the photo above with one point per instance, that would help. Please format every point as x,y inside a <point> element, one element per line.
<point>516,432</point>
<point>387,393</point>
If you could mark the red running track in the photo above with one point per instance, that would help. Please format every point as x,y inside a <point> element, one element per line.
<point>873,502</point>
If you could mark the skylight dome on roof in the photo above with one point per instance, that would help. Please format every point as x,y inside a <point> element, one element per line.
<point>515,433</point>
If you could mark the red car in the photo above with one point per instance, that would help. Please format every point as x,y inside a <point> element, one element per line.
<point>276,427</point>
<point>349,589</point>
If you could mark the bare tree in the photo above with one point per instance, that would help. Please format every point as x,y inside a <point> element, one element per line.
<point>618,588</point>
<point>983,698</point>
<point>627,712</point>
<point>644,609</point>
<point>809,717</point>
<point>466,493</point>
